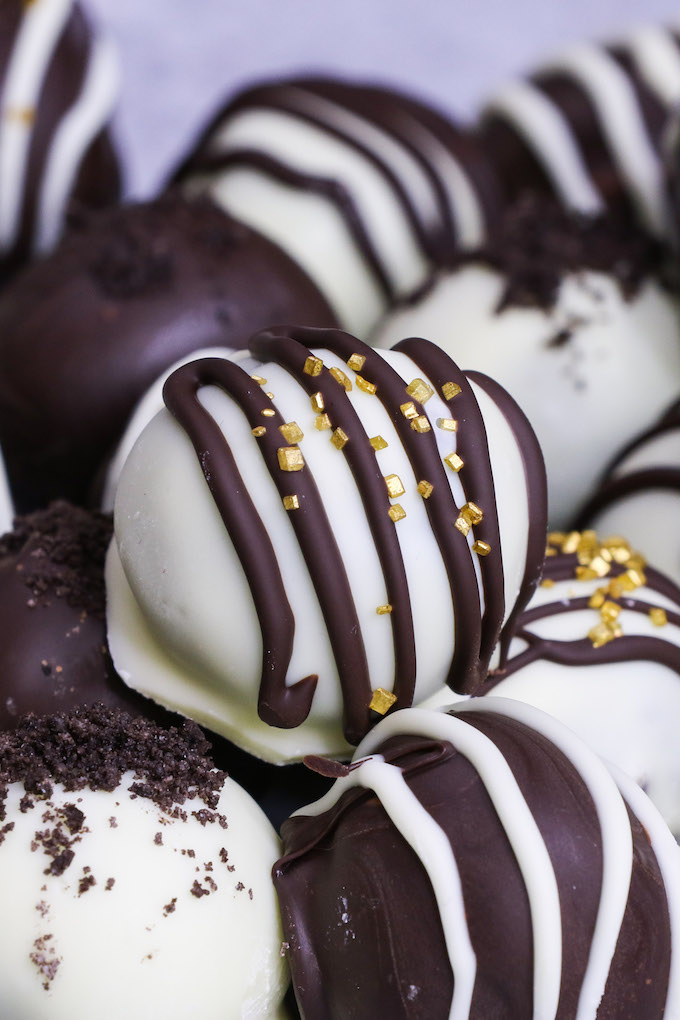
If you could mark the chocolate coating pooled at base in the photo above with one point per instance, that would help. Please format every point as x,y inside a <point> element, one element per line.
<point>87,330</point>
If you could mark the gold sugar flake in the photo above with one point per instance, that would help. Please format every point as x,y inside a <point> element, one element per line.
<point>268,412</point>
<point>425,489</point>
<point>291,432</point>
<point>396,512</point>
<point>633,579</point>
<point>596,600</point>
<point>270,395</point>
<point>290,458</point>
<point>450,390</point>
<point>472,513</point>
<point>610,611</point>
<point>384,610</point>
<point>409,410</point>
<point>382,701</point>
<point>454,461</point>
<point>356,362</point>
<point>658,616</point>
<point>603,634</point>
<point>317,402</point>
<point>339,438</point>
<point>378,443</point>
<point>619,548</point>
<point>420,424</point>
<point>322,422</point>
<point>259,431</point>
<point>341,378</point>
<point>365,385</point>
<point>312,366</point>
<point>259,380</point>
<point>419,390</point>
<point>571,542</point>
<point>447,424</point>
<point>463,526</point>
<point>20,114</point>
<point>481,548</point>
<point>547,582</point>
<point>586,574</point>
<point>291,502</point>
<point>394,486</point>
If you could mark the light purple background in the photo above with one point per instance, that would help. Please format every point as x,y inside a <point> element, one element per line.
<point>181,57</point>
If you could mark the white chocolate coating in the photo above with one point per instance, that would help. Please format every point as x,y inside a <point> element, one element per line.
<point>586,397</point>
<point>143,945</point>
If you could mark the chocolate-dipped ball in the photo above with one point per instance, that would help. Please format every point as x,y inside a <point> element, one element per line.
<point>598,646</point>
<point>639,496</point>
<point>480,863</point>
<point>314,533</point>
<point>568,314</point>
<point>121,299</point>
<point>136,877</point>
<point>59,81</point>
<point>588,126</point>
<point>364,186</point>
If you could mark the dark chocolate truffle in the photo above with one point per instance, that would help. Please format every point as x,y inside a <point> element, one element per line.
<point>59,81</point>
<point>87,330</point>
<point>480,863</point>
<point>366,187</point>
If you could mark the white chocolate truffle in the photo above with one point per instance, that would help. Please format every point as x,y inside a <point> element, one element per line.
<point>590,372</point>
<point>124,905</point>
<point>364,187</point>
<point>598,647</point>
<point>339,528</point>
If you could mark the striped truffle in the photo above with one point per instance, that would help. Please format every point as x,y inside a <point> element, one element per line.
<point>480,863</point>
<point>365,187</point>
<point>588,126</point>
<point>321,532</point>
<point>59,82</point>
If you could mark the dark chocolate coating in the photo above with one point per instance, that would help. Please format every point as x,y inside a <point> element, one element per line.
<point>363,925</point>
<point>122,298</point>
<point>97,180</point>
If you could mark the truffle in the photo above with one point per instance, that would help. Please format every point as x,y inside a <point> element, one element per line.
<point>588,126</point>
<point>59,81</point>
<point>598,646</point>
<point>339,527</point>
<point>480,863</point>
<point>136,876</point>
<point>364,186</point>
<point>121,299</point>
<point>569,315</point>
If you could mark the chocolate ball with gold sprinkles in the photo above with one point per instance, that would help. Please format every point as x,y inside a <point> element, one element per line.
<point>135,874</point>
<point>481,862</point>
<point>598,646</point>
<point>315,533</point>
<point>568,313</point>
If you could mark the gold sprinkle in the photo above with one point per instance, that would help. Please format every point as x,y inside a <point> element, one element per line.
<point>420,424</point>
<point>616,587</point>
<point>610,611</point>
<point>259,380</point>
<point>322,422</point>
<point>454,461</point>
<point>356,362</point>
<point>291,502</point>
<point>365,385</point>
<point>258,431</point>
<point>619,548</point>
<point>409,410</point>
<point>341,378</point>
<point>290,458</point>
<point>20,114</point>
<point>603,634</point>
<point>472,513</point>
<point>463,525</point>
<point>382,701</point>
<point>268,412</point>
<point>481,548</point>
<point>547,582</point>
<point>312,366</point>
<point>384,610</point>
<point>291,432</point>
<point>658,616</point>
<point>270,395</point>
<point>378,443</point>
<point>600,566</point>
<point>634,579</point>
<point>447,424</point>
<point>571,542</point>
<point>556,537</point>
<point>419,390</point>
<point>396,512</point>
<point>425,489</point>
<point>339,438</point>
<point>394,486</point>
<point>450,390</point>
<point>586,574</point>
<point>317,402</point>
<point>596,600</point>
